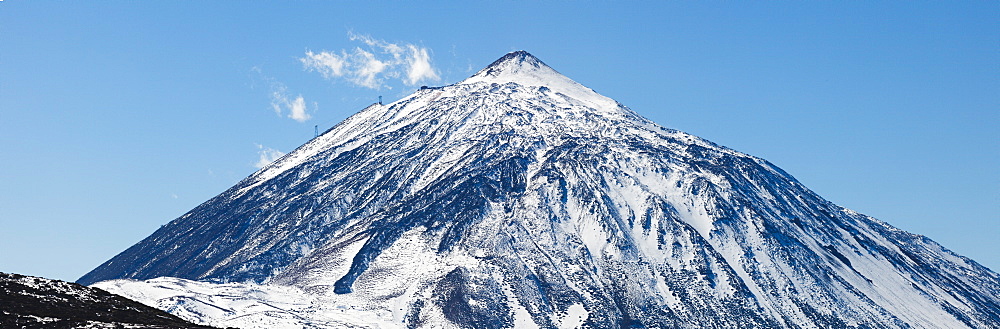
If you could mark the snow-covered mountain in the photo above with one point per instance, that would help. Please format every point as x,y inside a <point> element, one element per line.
<point>518,197</point>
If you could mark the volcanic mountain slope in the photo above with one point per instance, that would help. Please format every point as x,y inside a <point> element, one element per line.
<point>520,196</point>
<point>33,302</point>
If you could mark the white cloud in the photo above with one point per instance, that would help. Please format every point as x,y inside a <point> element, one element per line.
<point>395,50</point>
<point>419,66</point>
<point>370,67</point>
<point>297,110</point>
<point>267,155</point>
<point>328,64</point>
<point>281,103</point>
<point>367,69</point>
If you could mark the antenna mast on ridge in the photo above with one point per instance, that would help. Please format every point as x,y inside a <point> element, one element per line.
<point>316,130</point>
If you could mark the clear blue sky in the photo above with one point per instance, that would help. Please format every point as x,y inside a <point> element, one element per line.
<point>119,116</point>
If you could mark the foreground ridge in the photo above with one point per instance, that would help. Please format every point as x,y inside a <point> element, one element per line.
<point>520,198</point>
<point>34,302</point>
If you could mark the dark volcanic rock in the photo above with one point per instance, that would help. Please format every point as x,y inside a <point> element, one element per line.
<point>33,302</point>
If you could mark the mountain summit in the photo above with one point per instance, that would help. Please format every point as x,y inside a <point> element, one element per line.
<point>512,66</point>
<point>520,198</point>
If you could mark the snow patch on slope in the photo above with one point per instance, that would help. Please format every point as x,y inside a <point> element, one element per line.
<point>248,306</point>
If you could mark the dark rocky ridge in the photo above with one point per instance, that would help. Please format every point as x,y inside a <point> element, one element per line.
<point>33,302</point>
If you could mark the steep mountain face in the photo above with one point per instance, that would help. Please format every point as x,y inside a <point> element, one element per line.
<point>33,302</point>
<point>518,196</point>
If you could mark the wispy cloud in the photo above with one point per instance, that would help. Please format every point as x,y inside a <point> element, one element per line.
<point>267,155</point>
<point>328,64</point>
<point>282,102</point>
<point>419,66</point>
<point>374,64</point>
